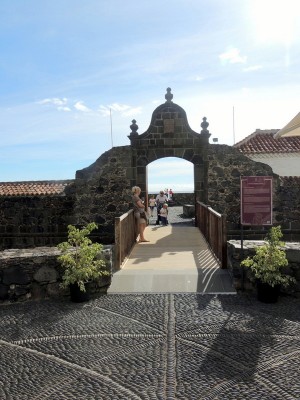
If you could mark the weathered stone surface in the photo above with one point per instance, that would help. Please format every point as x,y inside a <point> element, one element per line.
<point>242,276</point>
<point>35,273</point>
<point>15,275</point>
<point>46,274</point>
<point>3,291</point>
<point>188,210</point>
<point>54,290</point>
<point>224,192</point>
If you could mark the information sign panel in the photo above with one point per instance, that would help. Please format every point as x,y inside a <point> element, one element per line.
<point>256,200</point>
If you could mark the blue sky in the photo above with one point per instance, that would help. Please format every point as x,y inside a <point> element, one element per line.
<point>66,63</point>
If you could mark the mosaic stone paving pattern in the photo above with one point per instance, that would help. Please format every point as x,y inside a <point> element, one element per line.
<point>168,346</point>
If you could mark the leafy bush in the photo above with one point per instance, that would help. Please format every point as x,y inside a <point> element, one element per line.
<point>269,259</point>
<point>80,257</point>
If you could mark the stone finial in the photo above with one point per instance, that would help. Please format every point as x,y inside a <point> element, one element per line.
<point>134,127</point>
<point>168,96</point>
<point>204,126</point>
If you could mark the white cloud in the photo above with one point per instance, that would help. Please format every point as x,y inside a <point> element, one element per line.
<point>55,101</point>
<point>252,68</point>
<point>232,56</point>
<point>132,111</point>
<point>118,107</point>
<point>124,110</point>
<point>104,111</point>
<point>64,109</point>
<point>79,106</point>
<point>59,104</point>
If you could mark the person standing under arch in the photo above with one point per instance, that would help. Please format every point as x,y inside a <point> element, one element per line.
<point>139,213</point>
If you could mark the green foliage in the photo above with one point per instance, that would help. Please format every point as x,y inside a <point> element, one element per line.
<point>269,259</point>
<point>80,257</point>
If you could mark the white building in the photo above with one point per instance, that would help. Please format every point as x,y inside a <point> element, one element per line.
<point>281,153</point>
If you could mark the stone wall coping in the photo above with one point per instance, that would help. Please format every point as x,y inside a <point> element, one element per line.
<point>250,244</point>
<point>27,253</point>
<point>32,252</point>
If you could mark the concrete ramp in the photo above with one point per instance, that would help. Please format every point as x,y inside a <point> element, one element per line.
<point>176,260</point>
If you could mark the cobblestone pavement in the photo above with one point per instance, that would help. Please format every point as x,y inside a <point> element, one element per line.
<point>146,346</point>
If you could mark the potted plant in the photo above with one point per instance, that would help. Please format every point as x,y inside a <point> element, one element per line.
<point>266,266</point>
<point>81,260</point>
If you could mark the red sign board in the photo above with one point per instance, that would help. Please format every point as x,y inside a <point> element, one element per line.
<point>256,200</point>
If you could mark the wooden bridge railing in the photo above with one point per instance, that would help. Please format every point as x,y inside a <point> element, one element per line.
<point>213,227</point>
<point>125,237</point>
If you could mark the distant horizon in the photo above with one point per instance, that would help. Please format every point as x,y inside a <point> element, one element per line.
<point>174,193</point>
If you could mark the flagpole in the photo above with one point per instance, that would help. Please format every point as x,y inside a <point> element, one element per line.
<point>111,136</point>
<point>233,127</point>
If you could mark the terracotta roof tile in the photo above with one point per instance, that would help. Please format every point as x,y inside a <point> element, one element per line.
<point>263,141</point>
<point>33,188</point>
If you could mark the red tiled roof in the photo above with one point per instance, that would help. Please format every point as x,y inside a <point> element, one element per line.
<point>34,188</point>
<point>263,141</point>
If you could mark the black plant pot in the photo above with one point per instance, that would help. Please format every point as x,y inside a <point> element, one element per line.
<point>267,293</point>
<point>77,295</point>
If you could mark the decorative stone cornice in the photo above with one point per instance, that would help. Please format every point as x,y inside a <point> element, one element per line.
<point>134,127</point>
<point>169,96</point>
<point>204,125</point>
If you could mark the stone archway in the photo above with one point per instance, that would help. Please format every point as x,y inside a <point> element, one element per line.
<point>102,191</point>
<point>169,135</point>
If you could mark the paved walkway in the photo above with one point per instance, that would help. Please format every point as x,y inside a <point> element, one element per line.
<point>151,346</point>
<point>177,259</point>
<point>138,346</point>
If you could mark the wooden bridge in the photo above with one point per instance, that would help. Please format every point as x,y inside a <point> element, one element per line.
<point>177,259</point>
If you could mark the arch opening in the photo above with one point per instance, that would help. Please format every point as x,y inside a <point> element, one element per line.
<point>170,173</point>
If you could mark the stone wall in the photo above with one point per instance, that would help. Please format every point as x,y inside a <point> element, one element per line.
<point>184,198</point>
<point>287,212</point>
<point>242,276</point>
<point>31,221</point>
<point>103,191</point>
<point>226,166</point>
<point>36,274</point>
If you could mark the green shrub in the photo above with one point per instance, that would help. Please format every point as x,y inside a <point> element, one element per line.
<point>80,257</point>
<point>269,260</point>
